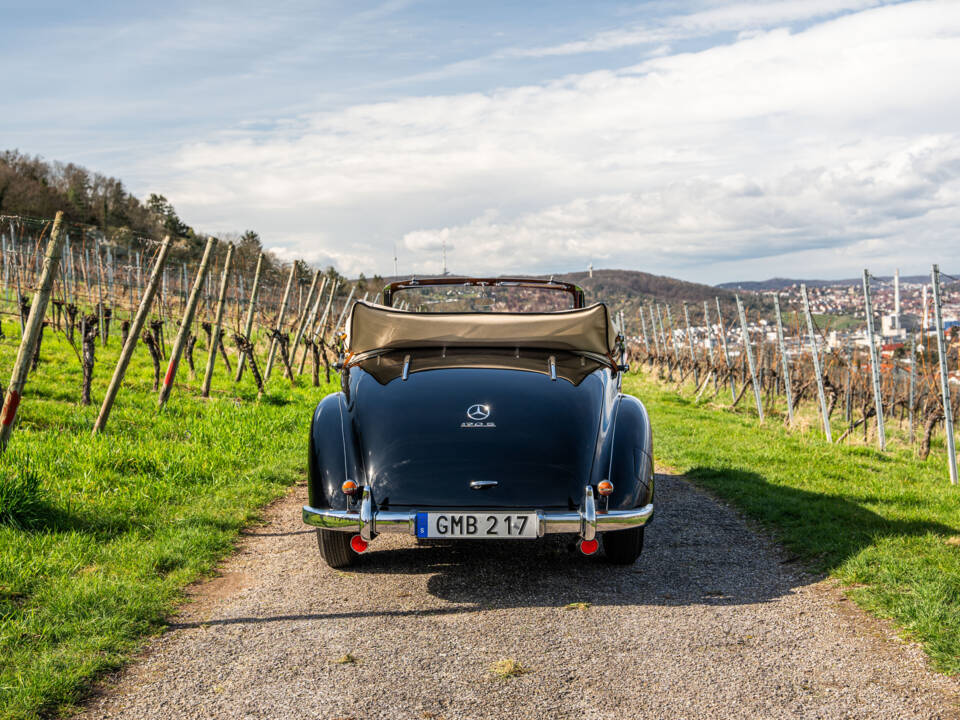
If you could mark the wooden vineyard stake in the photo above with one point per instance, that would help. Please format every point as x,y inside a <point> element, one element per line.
<point>643,331</point>
<point>726,352</point>
<point>693,357</point>
<point>103,332</point>
<point>783,358</point>
<point>133,336</point>
<point>31,332</point>
<point>308,326</point>
<point>911,402</point>
<point>874,363</point>
<point>317,334</point>
<point>944,377</point>
<point>248,324</point>
<point>217,325</point>
<point>305,315</point>
<point>748,349</point>
<point>821,395</point>
<point>184,331</point>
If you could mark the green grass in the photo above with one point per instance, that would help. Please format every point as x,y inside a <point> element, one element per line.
<point>795,320</point>
<point>886,525</point>
<point>99,536</point>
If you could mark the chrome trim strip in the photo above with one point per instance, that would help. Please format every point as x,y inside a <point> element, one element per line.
<point>483,484</point>
<point>553,367</point>
<point>406,367</point>
<point>588,513</point>
<point>404,522</point>
<point>366,515</point>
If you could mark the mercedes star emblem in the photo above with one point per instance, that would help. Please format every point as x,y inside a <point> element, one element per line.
<point>478,412</point>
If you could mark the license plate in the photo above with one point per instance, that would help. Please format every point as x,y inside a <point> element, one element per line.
<point>476,525</point>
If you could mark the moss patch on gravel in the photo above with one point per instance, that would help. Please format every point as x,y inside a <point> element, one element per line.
<point>882,523</point>
<point>99,536</point>
<point>507,668</point>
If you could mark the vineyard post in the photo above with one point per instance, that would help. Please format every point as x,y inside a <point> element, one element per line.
<point>913,385</point>
<point>816,364</point>
<point>748,349</point>
<point>653,330</point>
<point>673,336</point>
<point>309,323</point>
<point>184,285</point>
<point>67,279</point>
<point>251,308</point>
<point>874,363</point>
<point>343,313</point>
<point>709,329</point>
<point>693,358</point>
<point>663,333</point>
<point>134,336</point>
<point>713,363</point>
<point>34,325</point>
<point>643,330</point>
<point>305,315</point>
<point>321,323</point>
<point>6,267</point>
<point>783,356</point>
<point>944,378</point>
<point>188,312</point>
<point>23,320</point>
<point>217,323</point>
<point>726,351</point>
<point>100,318</point>
<point>283,311</point>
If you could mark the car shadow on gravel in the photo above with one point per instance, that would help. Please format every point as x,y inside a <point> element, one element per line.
<point>696,552</point>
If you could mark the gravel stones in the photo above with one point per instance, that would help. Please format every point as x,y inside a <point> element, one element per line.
<point>711,622</point>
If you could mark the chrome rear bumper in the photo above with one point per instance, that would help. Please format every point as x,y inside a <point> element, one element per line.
<point>585,522</point>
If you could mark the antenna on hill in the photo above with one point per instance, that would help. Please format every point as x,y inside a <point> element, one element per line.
<point>396,273</point>
<point>590,269</point>
<point>443,250</point>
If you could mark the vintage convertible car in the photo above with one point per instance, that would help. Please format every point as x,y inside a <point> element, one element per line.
<point>480,424</point>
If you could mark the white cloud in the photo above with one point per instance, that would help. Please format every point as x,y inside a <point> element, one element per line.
<point>742,17</point>
<point>780,142</point>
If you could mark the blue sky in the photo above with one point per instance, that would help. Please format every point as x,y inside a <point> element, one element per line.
<point>707,140</point>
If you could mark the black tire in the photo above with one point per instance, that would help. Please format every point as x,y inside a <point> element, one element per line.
<point>335,548</point>
<point>623,547</point>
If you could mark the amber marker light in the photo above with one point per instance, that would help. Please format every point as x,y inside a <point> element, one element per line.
<point>349,487</point>
<point>605,487</point>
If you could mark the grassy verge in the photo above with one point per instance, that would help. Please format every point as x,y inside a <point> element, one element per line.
<point>98,536</point>
<point>887,525</point>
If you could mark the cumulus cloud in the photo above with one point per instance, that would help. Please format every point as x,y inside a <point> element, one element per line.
<point>778,144</point>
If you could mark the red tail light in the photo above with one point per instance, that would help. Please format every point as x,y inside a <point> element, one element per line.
<point>589,547</point>
<point>349,487</point>
<point>358,544</point>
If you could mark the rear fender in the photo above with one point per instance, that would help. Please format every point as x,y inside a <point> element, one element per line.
<point>333,454</point>
<point>631,467</point>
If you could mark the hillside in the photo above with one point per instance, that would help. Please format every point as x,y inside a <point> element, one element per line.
<point>783,283</point>
<point>627,290</point>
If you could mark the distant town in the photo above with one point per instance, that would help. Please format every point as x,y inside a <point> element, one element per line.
<point>902,310</point>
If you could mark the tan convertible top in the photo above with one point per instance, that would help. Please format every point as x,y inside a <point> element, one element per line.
<point>376,327</point>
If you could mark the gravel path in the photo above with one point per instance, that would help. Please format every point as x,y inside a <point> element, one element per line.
<point>712,622</point>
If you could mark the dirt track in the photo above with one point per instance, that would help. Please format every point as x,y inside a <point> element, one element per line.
<point>712,622</point>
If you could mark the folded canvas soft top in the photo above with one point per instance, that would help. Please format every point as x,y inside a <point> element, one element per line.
<point>376,327</point>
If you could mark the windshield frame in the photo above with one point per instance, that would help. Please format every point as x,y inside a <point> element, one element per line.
<point>541,284</point>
